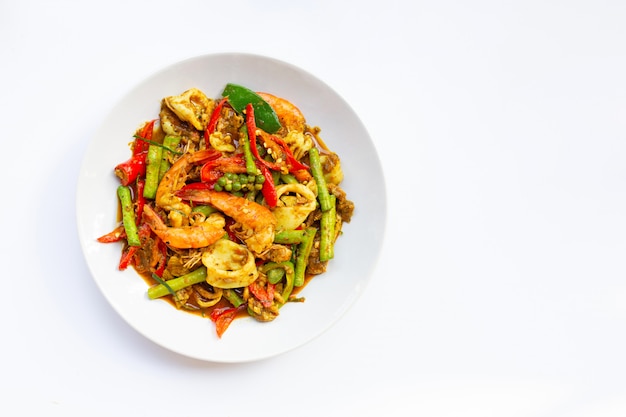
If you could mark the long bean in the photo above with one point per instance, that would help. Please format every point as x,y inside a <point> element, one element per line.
<point>275,275</point>
<point>204,209</point>
<point>233,297</point>
<point>153,166</point>
<point>128,216</point>
<point>288,272</point>
<point>288,178</point>
<point>247,151</point>
<point>302,258</point>
<point>169,143</point>
<point>327,231</point>
<point>195,277</point>
<point>318,176</point>
<point>289,237</point>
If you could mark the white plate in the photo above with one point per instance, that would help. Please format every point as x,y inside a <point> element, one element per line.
<point>328,296</point>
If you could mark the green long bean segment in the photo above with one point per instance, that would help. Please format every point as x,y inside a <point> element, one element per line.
<point>128,216</point>
<point>302,259</point>
<point>287,270</point>
<point>327,231</point>
<point>247,151</point>
<point>204,209</point>
<point>195,277</point>
<point>318,176</point>
<point>169,143</point>
<point>289,237</point>
<point>153,167</point>
<point>233,297</point>
<point>275,275</point>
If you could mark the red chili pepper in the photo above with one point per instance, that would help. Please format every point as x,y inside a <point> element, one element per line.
<point>193,186</point>
<point>129,253</point>
<point>263,294</point>
<point>135,167</point>
<point>251,125</point>
<point>294,164</point>
<point>214,118</point>
<point>269,189</point>
<point>231,235</point>
<point>222,317</point>
<point>115,235</point>
<point>132,169</point>
<point>127,257</point>
<point>141,146</point>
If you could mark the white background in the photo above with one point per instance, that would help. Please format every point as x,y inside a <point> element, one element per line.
<point>501,287</point>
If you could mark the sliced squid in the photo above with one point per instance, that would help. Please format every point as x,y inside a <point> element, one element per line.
<point>296,202</point>
<point>298,143</point>
<point>221,142</point>
<point>229,265</point>
<point>192,106</point>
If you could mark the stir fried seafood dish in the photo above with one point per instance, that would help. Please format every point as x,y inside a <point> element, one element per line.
<point>229,206</point>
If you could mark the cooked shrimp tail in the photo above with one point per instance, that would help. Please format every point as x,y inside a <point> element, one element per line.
<point>175,178</point>
<point>290,116</point>
<point>199,235</point>
<point>257,221</point>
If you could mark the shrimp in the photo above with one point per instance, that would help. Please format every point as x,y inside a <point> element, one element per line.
<point>292,132</point>
<point>291,118</point>
<point>258,224</point>
<point>199,235</point>
<point>174,179</point>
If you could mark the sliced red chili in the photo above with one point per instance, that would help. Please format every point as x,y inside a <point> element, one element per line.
<point>132,169</point>
<point>129,253</point>
<point>292,162</point>
<point>141,146</point>
<point>222,317</point>
<point>115,235</point>
<point>229,229</point>
<point>269,189</point>
<point>127,257</point>
<point>251,126</point>
<point>194,186</point>
<point>264,294</point>
<point>214,118</point>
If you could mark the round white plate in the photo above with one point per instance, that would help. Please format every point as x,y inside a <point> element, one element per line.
<point>328,296</point>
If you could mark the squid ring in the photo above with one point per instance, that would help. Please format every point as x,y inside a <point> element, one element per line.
<point>229,265</point>
<point>293,212</point>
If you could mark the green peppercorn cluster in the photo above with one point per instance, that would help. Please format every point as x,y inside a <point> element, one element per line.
<point>239,183</point>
